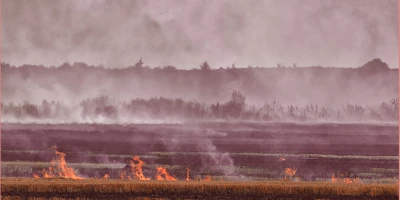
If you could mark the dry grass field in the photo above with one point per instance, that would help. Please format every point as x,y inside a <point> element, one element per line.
<point>125,189</point>
<point>235,161</point>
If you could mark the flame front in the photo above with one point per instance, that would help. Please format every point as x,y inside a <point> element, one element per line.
<point>137,168</point>
<point>163,172</point>
<point>207,178</point>
<point>59,168</point>
<point>106,176</point>
<point>344,180</point>
<point>290,171</point>
<point>122,175</point>
<point>333,178</point>
<point>187,174</point>
<point>347,181</point>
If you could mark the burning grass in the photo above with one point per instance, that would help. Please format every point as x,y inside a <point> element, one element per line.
<point>162,174</point>
<point>58,168</point>
<point>136,167</point>
<point>191,189</point>
<point>290,172</point>
<point>341,178</point>
<point>187,174</point>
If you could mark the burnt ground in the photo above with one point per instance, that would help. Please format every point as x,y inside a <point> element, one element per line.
<point>243,145</point>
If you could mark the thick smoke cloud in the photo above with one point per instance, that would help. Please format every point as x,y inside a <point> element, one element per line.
<point>186,33</point>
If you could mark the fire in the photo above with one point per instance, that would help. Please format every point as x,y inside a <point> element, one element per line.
<point>162,171</point>
<point>290,171</point>
<point>344,180</point>
<point>207,178</point>
<point>35,176</point>
<point>282,159</point>
<point>106,176</point>
<point>46,174</point>
<point>347,181</point>
<point>333,178</point>
<point>354,180</point>
<point>137,168</point>
<point>187,174</point>
<point>59,168</point>
<point>122,175</point>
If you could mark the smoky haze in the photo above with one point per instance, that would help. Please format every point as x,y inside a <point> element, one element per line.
<point>370,84</point>
<point>325,53</point>
<point>138,94</point>
<point>186,33</point>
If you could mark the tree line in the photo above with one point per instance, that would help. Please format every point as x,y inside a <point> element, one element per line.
<point>179,110</point>
<point>369,84</point>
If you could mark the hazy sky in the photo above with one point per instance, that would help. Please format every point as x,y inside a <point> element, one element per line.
<point>184,33</point>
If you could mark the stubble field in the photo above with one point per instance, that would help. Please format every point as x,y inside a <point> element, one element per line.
<point>240,159</point>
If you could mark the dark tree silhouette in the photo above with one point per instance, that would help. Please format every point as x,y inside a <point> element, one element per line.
<point>205,66</point>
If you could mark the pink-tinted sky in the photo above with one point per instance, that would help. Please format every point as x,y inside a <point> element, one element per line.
<point>186,33</point>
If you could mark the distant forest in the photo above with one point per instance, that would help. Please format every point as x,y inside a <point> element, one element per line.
<point>107,110</point>
<point>77,83</point>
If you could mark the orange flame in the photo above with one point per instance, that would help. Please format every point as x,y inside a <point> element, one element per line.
<point>347,181</point>
<point>344,180</point>
<point>122,175</point>
<point>162,171</point>
<point>282,159</point>
<point>137,168</point>
<point>333,178</point>
<point>46,174</point>
<point>59,168</point>
<point>207,178</point>
<point>106,176</point>
<point>187,174</point>
<point>290,171</point>
<point>35,176</point>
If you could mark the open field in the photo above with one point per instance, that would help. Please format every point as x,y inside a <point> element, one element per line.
<point>113,189</point>
<point>243,159</point>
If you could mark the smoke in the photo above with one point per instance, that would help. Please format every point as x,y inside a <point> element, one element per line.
<point>116,34</point>
<point>296,86</point>
<point>223,161</point>
<point>210,132</point>
<point>201,140</point>
<point>186,33</point>
<point>162,110</point>
<point>220,161</point>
